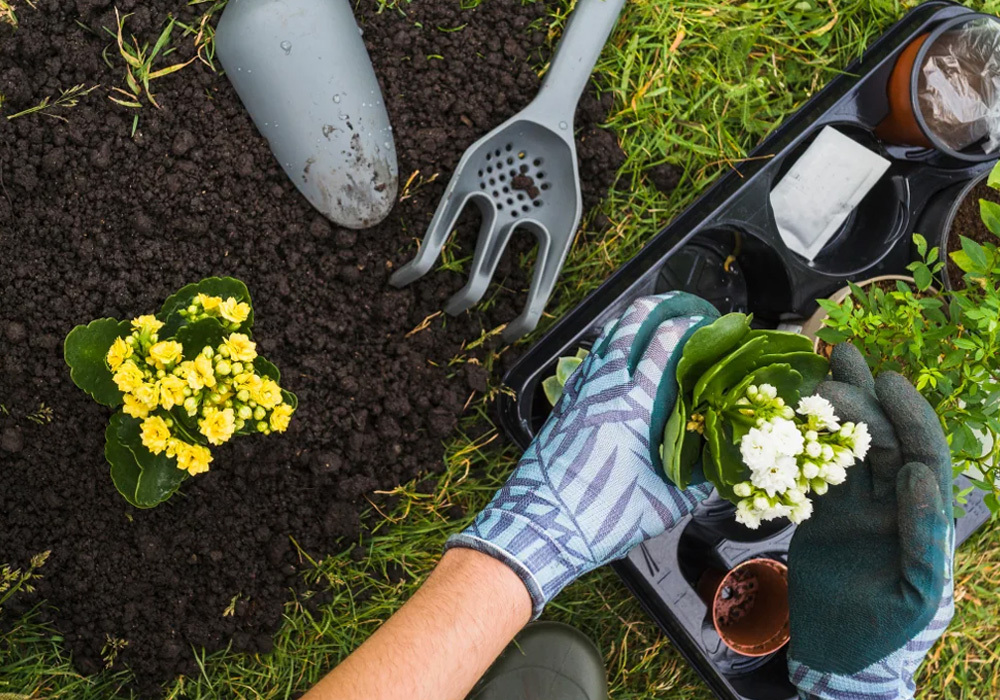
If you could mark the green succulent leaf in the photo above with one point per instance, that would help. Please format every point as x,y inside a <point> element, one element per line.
<point>195,336</point>
<point>711,468</point>
<point>671,449</point>
<point>813,369</point>
<point>125,471</point>
<point>159,478</point>
<point>223,287</point>
<point>553,386</point>
<point>85,350</point>
<point>780,342</point>
<point>721,460</point>
<point>707,345</point>
<point>553,389</point>
<point>728,371</point>
<point>719,435</point>
<point>266,368</point>
<point>187,426</point>
<point>565,367</point>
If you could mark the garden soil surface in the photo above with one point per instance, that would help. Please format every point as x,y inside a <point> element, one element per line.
<point>97,222</point>
<point>968,222</point>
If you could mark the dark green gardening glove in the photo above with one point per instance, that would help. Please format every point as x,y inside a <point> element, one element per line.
<point>870,574</point>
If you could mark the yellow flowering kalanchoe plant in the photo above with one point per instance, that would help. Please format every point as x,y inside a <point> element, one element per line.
<point>186,379</point>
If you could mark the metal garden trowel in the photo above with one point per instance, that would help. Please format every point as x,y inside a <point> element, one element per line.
<point>303,73</point>
<point>524,174</point>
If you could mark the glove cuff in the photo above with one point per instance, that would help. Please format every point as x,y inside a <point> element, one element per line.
<point>880,681</point>
<point>539,561</point>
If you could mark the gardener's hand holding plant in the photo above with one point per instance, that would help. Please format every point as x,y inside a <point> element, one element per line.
<point>588,489</point>
<point>870,574</point>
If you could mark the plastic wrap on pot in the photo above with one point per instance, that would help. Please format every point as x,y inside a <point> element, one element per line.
<point>959,85</point>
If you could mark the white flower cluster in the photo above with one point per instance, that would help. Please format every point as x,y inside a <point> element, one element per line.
<point>791,455</point>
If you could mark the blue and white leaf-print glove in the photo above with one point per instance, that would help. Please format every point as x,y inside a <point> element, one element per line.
<point>590,487</point>
<point>870,574</point>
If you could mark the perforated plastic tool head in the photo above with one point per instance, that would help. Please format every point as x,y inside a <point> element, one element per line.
<point>523,175</point>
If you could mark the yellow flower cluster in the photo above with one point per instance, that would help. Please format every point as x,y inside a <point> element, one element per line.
<point>219,390</point>
<point>229,310</point>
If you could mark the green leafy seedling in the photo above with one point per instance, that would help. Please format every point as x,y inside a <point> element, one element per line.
<point>565,366</point>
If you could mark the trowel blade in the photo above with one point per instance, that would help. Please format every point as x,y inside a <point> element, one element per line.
<point>303,73</point>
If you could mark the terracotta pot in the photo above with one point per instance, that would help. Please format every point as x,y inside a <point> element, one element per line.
<point>815,322</point>
<point>905,124</point>
<point>749,606</point>
<point>901,126</point>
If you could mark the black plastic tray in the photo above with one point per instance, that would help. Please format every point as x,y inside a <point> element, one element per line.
<point>777,286</point>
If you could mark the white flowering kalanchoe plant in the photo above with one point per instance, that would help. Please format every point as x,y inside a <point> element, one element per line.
<point>792,453</point>
<point>186,379</point>
<point>747,420</point>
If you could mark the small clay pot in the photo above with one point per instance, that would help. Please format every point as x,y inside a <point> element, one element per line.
<point>749,606</point>
<point>906,125</point>
<point>901,126</point>
<point>815,322</point>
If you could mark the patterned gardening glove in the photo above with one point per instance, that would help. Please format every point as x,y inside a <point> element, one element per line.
<point>870,574</point>
<point>590,486</point>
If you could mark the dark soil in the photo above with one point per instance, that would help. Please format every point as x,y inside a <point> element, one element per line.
<point>526,183</point>
<point>737,598</point>
<point>665,177</point>
<point>95,222</point>
<point>969,223</point>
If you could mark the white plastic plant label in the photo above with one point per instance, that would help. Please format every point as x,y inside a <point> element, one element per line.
<point>822,188</point>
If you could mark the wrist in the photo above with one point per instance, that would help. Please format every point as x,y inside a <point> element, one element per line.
<point>515,540</point>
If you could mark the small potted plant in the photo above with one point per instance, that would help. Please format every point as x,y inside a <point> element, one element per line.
<point>814,323</point>
<point>747,421</point>
<point>747,418</point>
<point>944,341</point>
<point>185,380</point>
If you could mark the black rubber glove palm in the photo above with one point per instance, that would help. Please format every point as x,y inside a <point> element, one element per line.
<point>870,572</point>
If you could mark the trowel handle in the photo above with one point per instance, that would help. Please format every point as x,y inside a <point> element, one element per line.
<point>583,40</point>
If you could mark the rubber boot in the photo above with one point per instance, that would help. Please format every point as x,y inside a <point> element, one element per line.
<point>546,661</point>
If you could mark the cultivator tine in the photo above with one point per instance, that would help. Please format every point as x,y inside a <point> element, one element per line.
<point>489,248</point>
<point>440,228</point>
<point>552,252</point>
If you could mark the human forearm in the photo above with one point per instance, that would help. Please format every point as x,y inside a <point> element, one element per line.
<point>468,610</point>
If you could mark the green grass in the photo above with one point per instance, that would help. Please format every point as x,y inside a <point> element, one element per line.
<point>696,84</point>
